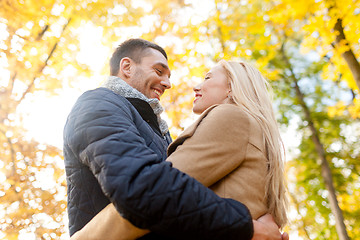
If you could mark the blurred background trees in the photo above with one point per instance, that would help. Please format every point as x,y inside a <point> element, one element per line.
<point>308,49</point>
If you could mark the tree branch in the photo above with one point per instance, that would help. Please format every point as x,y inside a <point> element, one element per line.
<point>29,88</point>
<point>12,82</point>
<point>12,152</point>
<point>41,34</point>
<point>348,55</point>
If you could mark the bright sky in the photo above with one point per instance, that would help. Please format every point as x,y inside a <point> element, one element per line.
<point>46,115</point>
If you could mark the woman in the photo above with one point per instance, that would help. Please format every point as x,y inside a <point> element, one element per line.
<point>234,148</point>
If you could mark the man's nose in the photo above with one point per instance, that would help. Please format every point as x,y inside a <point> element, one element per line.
<point>165,82</point>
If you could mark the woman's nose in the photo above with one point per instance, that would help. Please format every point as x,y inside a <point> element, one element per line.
<point>197,88</point>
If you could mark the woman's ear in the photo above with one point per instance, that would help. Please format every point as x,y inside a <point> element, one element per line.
<point>125,67</point>
<point>230,96</point>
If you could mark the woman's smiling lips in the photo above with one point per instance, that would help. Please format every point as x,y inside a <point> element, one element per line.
<point>197,96</point>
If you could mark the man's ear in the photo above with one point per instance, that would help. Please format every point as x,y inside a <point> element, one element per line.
<point>125,67</point>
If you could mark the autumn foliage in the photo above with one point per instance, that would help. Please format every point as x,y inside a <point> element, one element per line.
<point>308,49</point>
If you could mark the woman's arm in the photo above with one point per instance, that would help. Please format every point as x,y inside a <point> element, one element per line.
<point>108,224</point>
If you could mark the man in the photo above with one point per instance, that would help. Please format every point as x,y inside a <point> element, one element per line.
<point>115,146</point>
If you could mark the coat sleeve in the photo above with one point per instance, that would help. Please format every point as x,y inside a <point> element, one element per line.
<point>217,147</point>
<point>109,225</point>
<point>149,193</point>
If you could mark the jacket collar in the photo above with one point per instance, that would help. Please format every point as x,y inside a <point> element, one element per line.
<point>120,87</point>
<point>146,113</point>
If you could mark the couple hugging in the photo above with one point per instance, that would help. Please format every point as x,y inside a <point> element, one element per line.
<point>222,178</point>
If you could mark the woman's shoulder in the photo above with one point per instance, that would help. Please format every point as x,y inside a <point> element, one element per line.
<point>230,115</point>
<point>227,112</point>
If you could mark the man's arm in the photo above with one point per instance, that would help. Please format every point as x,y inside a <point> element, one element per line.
<point>148,193</point>
<point>109,223</point>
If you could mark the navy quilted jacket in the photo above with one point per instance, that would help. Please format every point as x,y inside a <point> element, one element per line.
<point>112,154</point>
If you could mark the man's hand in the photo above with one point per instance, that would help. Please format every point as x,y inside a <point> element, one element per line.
<point>265,228</point>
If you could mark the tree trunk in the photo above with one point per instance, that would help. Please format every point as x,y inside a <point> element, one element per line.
<point>325,168</point>
<point>348,55</point>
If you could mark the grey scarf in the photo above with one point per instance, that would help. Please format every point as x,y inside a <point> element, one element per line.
<point>120,87</point>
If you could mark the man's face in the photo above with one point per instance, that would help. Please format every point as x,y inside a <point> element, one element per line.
<point>151,76</point>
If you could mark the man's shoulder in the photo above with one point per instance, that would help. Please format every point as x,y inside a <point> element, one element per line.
<point>98,103</point>
<point>102,93</point>
<point>102,97</point>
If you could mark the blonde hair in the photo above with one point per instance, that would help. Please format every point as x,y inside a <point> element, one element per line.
<point>250,90</point>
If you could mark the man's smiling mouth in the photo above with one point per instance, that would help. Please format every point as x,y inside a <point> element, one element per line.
<point>157,92</point>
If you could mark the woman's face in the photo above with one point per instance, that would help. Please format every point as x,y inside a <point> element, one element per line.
<point>213,90</point>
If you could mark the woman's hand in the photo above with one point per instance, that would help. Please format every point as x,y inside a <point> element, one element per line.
<point>265,228</point>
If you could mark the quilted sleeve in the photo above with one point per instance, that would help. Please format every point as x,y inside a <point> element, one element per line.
<point>149,193</point>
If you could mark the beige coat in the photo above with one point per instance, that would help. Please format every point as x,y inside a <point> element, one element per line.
<point>225,150</point>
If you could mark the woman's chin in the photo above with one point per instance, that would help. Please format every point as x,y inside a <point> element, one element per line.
<point>197,110</point>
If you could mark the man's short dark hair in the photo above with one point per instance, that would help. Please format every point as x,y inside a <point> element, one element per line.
<point>134,49</point>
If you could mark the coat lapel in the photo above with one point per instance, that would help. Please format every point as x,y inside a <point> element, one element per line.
<point>188,132</point>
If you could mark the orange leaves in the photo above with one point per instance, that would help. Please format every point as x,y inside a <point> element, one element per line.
<point>195,37</point>
<point>32,183</point>
<point>341,109</point>
<point>337,110</point>
<point>354,109</point>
